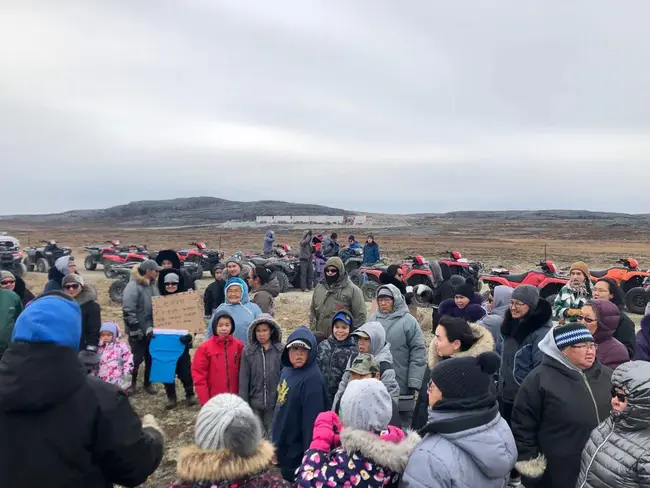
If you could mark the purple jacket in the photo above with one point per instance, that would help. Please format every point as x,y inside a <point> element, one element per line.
<point>643,340</point>
<point>611,352</point>
<point>448,307</point>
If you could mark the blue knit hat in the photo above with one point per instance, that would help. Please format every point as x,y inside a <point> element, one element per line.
<point>570,334</point>
<point>50,319</point>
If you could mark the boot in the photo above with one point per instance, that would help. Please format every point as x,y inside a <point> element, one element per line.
<point>149,389</point>
<point>171,403</point>
<point>133,389</point>
<point>190,400</point>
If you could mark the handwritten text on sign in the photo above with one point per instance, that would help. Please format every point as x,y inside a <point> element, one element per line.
<point>182,311</point>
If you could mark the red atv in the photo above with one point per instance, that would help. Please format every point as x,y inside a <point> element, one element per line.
<point>128,254</point>
<point>546,279</point>
<point>203,257</point>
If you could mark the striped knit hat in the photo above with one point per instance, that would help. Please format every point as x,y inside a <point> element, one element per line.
<point>568,335</point>
<point>227,422</point>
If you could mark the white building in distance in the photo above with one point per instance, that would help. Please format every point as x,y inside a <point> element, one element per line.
<point>312,219</point>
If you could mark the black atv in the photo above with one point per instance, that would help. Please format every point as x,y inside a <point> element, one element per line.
<point>41,259</point>
<point>285,270</point>
<point>11,257</point>
<point>122,274</point>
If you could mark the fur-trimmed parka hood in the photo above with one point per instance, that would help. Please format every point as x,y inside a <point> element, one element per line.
<point>391,455</point>
<point>519,329</point>
<point>484,343</point>
<point>196,464</point>
<point>88,294</point>
<point>140,279</point>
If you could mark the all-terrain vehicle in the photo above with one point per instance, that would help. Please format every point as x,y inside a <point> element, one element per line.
<point>11,257</point>
<point>546,279</point>
<point>122,275</point>
<point>286,270</point>
<point>41,259</point>
<point>353,261</point>
<point>205,259</point>
<point>133,254</point>
<point>628,275</point>
<point>637,298</point>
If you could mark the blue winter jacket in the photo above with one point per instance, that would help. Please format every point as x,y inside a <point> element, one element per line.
<point>371,253</point>
<point>243,312</point>
<point>269,240</point>
<point>301,397</point>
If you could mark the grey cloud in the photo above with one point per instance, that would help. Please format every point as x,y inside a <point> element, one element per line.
<point>425,106</point>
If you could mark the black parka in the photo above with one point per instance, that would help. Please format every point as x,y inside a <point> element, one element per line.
<point>61,428</point>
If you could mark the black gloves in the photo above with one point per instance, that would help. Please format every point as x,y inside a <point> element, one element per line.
<point>187,339</point>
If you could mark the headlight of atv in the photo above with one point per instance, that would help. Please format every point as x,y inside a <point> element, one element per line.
<point>291,266</point>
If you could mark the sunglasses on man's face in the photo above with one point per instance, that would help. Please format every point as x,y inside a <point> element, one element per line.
<point>7,282</point>
<point>73,286</point>
<point>622,397</point>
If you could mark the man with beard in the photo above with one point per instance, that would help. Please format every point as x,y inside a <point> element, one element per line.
<point>335,294</point>
<point>573,296</point>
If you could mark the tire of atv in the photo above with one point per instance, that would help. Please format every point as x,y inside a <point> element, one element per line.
<point>29,266</point>
<point>90,264</point>
<point>355,277</point>
<point>282,278</point>
<point>42,266</point>
<point>551,299</point>
<point>108,270</point>
<point>20,269</point>
<point>636,300</point>
<point>369,290</point>
<point>116,290</point>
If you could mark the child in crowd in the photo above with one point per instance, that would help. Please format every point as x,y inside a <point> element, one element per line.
<point>215,368</point>
<point>301,397</point>
<point>260,370</point>
<point>170,282</point>
<point>371,339</point>
<point>360,448</point>
<point>115,358</point>
<point>334,353</point>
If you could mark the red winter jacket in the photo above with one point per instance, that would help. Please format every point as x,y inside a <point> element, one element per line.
<point>215,368</point>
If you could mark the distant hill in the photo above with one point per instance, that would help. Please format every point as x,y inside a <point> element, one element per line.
<point>179,211</point>
<point>537,215</point>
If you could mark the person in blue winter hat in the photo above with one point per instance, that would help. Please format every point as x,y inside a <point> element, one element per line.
<point>239,307</point>
<point>61,427</point>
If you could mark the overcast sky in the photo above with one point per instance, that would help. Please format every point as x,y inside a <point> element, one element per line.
<point>377,105</point>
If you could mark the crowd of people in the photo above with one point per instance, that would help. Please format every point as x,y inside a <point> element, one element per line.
<point>512,391</point>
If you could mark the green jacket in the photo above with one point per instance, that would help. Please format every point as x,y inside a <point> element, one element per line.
<point>327,301</point>
<point>566,300</point>
<point>10,308</point>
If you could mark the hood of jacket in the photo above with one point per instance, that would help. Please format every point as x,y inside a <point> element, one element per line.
<point>337,263</point>
<point>196,464</point>
<point>87,294</point>
<point>609,316</point>
<point>633,378</point>
<point>20,287</point>
<point>377,335</point>
<point>112,327</point>
<point>549,348</point>
<point>272,287</point>
<point>303,334</point>
<point>161,281</point>
<point>391,455</point>
<point>140,279</point>
<point>502,296</point>
<point>484,343</point>
<point>35,377</point>
<point>55,275</point>
<point>519,329</point>
<point>475,433</point>
<point>400,308</point>
<point>276,331</point>
<point>215,319</point>
<point>169,255</point>
<point>304,234</point>
<point>386,279</point>
<point>244,290</point>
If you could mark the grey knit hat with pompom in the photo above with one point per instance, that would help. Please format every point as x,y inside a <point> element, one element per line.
<point>227,422</point>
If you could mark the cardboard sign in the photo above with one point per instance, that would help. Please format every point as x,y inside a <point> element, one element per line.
<point>182,311</point>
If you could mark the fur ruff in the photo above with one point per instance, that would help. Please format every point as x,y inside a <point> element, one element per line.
<point>139,279</point>
<point>196,464</point>
<point>484,343</point>
<point>519,330</point>
<point>533,468</point>
<point>387,454</point>
<point>88,294</point>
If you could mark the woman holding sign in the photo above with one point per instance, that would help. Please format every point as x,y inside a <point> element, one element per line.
<point>169,282</point>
